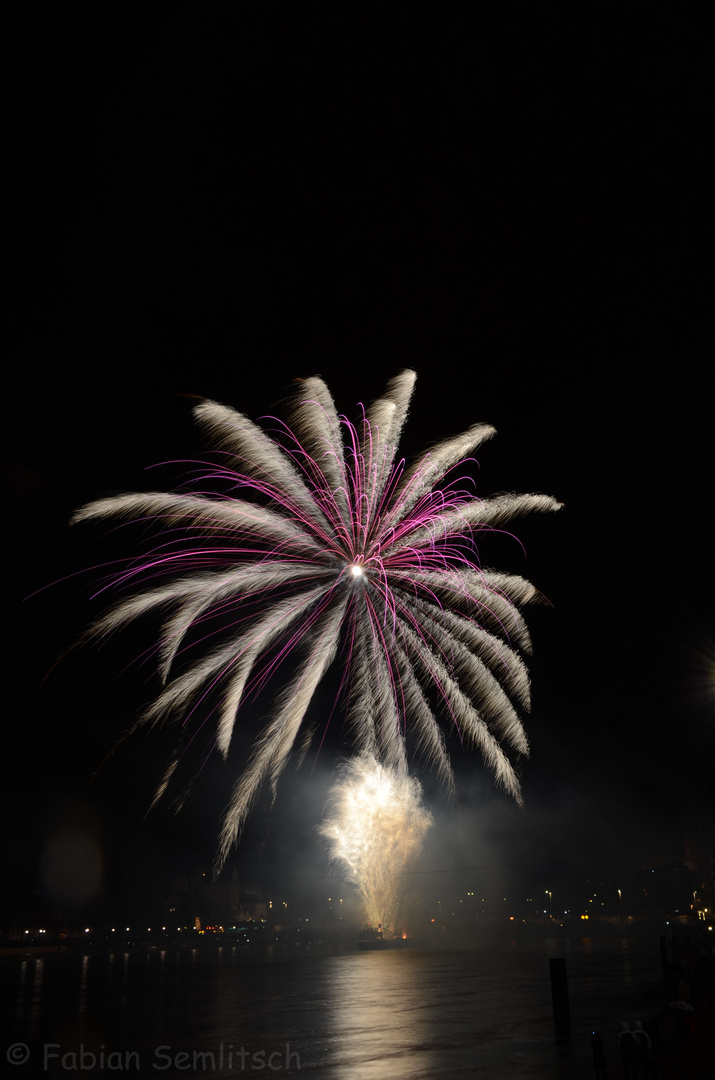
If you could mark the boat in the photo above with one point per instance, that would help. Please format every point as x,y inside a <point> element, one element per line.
<point>374,939</point>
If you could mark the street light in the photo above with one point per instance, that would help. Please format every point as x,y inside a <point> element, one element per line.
<point>547,892</point>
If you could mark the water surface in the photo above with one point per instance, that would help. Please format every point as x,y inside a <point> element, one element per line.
<point>403,1014</point>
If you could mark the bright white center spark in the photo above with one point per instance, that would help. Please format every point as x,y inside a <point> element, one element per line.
<point>357,571</point>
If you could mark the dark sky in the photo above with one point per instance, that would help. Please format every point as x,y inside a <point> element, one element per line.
<point>215,199</point>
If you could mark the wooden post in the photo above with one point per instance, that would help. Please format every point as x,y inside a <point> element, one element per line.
<point>560,998</point>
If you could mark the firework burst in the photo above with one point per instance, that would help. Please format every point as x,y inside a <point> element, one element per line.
<point>375,828</point>
<point>316,542</point>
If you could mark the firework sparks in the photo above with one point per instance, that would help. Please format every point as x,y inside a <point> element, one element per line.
<point>375,830</point>
<point>316,543</point>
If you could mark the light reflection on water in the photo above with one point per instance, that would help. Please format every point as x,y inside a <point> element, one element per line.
<point>400,1014</point>
<point>381,1028</point>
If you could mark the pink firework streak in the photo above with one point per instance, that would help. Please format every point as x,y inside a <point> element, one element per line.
<point>317,544</point>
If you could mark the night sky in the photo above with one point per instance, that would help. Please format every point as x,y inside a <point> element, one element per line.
<point>212,200</point>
